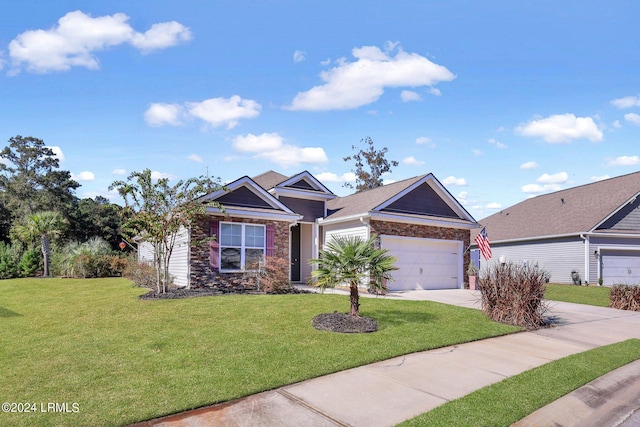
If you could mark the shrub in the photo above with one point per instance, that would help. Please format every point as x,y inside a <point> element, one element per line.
<point>9,261</point>
<point>30,262</point>
<point>274,277</point>
<point>142,275</point>
<point>625,297</point>
<point>514,294</point>
<point>93,258</point>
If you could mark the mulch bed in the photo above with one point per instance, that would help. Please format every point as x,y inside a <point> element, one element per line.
<point>345,323</point>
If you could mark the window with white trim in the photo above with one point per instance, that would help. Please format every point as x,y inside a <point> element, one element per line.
<point>241,246</point>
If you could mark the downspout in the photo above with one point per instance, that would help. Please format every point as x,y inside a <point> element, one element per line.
<point>366,225</point>
<point>586,257</point>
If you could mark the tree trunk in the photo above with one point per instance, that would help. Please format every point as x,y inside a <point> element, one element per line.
<point>46,250</point>
<point>355,300</point>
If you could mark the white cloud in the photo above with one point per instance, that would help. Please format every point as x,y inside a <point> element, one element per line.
<point>462,196</point>
<point>537,188</point>
<point>195,158</point>
<point>494,205</point>
<point>477,152</point>
<point>412,161</point>
<point>452,180</point>
<point>155,175</point>
<point>57,152</point>
<point>299,56</point>
<point>258,143</point>
<point>562,128</point>
<point>423,140</point>
<point>83,176</point>
<point>558,178</point>
<point>119,172</point>
<point>160,36</point>
<point>332,177</point>
<point>409,95</point>
<point>498,144</point>
<point>159,114</point>
<point>626,102</point>
<point>529,165</point>
<point>224,111</point>
<point>633,118</point>
<point>78,36</point>
<point>353,84</point>
<point>435,91</point>
<point>625,161</point>
<point>546,183</point>
<point>599,178</point>
<point>617,124</point>
<point>271,146</point>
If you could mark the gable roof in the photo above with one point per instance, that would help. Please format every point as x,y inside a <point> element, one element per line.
<point>244,197</point>
<point>572,211</point>
<point>387,200</point>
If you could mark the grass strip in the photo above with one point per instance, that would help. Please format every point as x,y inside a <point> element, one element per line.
<point>590,295</point>
<point>512,399</point>
<point>123,360</point>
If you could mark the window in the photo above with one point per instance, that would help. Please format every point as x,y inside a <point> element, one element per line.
<point>241,246</point>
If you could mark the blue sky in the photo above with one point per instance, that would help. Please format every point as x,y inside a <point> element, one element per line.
<point>501,100</point>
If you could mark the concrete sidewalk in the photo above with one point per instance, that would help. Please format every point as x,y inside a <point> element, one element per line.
<point>388,392</point>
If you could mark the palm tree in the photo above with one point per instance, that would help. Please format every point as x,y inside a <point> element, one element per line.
<point>43,225</point>
<point>353,260</point>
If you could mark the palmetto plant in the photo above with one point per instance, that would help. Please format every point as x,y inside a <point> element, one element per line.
<point>353,261</point>
<point>45,226</point>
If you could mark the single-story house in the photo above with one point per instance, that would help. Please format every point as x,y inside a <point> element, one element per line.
<point>592,229</point>
<point>271,214</point>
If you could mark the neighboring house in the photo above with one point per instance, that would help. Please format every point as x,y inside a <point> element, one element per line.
<point>593,229</point>
<point>271,214</point>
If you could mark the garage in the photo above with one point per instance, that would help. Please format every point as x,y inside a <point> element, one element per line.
<point>620,267</point>
<point>424,263</point>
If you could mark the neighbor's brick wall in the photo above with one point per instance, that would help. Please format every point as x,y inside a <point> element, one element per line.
<point>201,274</point>
<point>425,231</point>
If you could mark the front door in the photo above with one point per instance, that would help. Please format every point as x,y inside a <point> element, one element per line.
<point>295,253</point>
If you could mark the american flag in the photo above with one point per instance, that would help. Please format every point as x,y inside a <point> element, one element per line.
<point>483,243</point>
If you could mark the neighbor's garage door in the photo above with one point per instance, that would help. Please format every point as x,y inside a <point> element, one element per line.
<point>424,263</point>
<point>620,267</point>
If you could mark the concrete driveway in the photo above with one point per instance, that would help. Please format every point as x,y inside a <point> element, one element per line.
<point>388,392</point>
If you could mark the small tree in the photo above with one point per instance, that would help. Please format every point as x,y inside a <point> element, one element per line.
<point>157,211</point>
<point>353,261</point>
<point>375,161</point>
<point>44,225</point>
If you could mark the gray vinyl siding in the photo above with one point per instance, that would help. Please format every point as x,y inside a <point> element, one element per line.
<point>558,256</point>
<point>626,219</point>
<point>179,261</point>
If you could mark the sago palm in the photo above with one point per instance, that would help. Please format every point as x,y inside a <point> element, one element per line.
<point>43,225</point>
<point>354,261</point>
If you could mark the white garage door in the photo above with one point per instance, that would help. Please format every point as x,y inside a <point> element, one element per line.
<point>620,267</point>
<point>424,263</point>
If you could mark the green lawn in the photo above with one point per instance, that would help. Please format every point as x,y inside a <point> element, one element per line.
<point>512,399</point>
<point>122,360</point>
<point>590,295</point>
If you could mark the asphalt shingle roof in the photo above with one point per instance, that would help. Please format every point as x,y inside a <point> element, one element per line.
<point>571,211</point>
<point>269,179</point>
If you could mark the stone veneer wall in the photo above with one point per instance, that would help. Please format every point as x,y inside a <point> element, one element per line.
<point>426,231</point>
<point>200,273</point>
